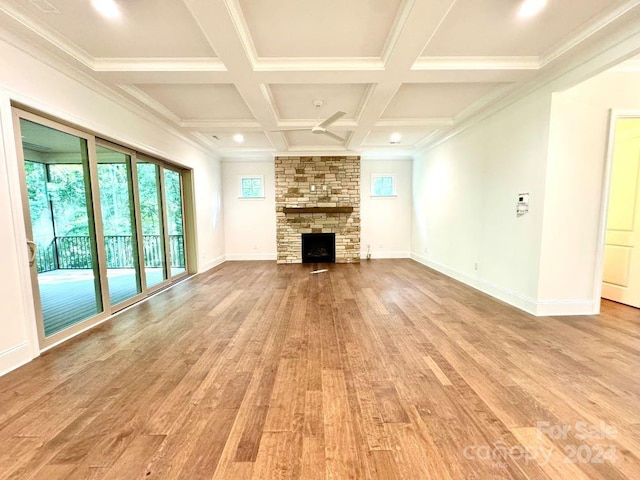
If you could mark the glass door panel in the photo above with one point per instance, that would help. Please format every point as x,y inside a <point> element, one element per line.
<point>175,225</point>
<point>119,224</point>
<point>56,166</point>
<point>151,218</point>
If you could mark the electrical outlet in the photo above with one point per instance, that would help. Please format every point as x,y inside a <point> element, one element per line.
<point>425,250</point>
<point>476,266</point>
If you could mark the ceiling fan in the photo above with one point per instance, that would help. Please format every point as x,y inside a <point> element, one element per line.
<point>320,128</point>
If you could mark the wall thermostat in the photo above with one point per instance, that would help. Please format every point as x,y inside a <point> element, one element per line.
<point>522,206</point>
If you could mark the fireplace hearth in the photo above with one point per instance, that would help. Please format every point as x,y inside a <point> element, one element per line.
<point>318,248</point>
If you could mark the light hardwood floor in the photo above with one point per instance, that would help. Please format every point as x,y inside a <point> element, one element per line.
<point>381,370</point>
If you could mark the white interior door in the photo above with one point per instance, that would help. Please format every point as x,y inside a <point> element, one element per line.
<point>621,277</point>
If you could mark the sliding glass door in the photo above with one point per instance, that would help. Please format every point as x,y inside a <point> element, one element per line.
<point>105,228</point>
<point>155,260</point>
<point>175,222</point>
<point>61,226</point>
<point>115,176</point>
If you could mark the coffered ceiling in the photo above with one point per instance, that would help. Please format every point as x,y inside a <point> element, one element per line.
<point>215,68</point>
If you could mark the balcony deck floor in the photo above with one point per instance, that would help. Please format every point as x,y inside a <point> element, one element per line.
<point>68,296</point>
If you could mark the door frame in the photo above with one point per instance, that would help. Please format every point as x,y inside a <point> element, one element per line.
<point>614,116</point>
<point>137,219</point>
<point>92,210</point>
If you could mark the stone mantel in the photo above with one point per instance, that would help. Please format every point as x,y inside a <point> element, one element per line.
<point>317,209</point>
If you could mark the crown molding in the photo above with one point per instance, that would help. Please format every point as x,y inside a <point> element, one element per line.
<point>66,67</point>
<point>142,97</point>
<point>599,57</point>
<point>46,33</point>
<point>476,63</point>
<point>586,32</point>
<point>415,122</point>
<point>381,155</point>
<point>221,125</point>
<point>317,151</point>
<point>244,158</point>
<point>629,66</point>
<point>245,152</point>
<point>483,102</point>
<point>105,64</point>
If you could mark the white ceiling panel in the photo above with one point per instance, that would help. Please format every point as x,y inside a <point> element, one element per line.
<point>296,101</point>
<point>308,139</point>
<point>381,136</point>
<point>493,28</point>
<point>435,100</point>
<point>200,101</point>
<point>146,28</point>
<point>421,68</point>
<point>312,28</point>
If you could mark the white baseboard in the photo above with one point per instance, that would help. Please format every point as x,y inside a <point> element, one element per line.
<point>14,358</point>
<point>530,305</point>
<point>385,254</point>
<point>551,308</point>
<point>240,257</point>
<point>211,263</point>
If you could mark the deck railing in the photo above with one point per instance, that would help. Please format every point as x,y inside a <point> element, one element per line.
<point>74,252</point>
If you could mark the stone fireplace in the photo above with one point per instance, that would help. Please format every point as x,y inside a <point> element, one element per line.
<point>318,248</point>
<point>318,195</point>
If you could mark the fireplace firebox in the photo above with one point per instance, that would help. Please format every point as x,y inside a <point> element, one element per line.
<point>318,248</point>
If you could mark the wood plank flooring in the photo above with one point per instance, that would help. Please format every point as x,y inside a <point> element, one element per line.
<point>382,370</point>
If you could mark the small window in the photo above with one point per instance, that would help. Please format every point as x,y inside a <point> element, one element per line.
<point>383,186</point>
<point>252,187</point>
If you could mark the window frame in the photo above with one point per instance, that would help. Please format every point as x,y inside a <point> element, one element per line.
<point>252,177</point>
<point>374,176</point>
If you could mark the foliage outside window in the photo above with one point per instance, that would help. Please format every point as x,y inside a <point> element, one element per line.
<point>252,187</point>
<point>383,186</point>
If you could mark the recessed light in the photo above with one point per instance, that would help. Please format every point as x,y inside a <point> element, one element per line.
<point>107,8</point>
<point>238,137</point>
<point>395,138</point>
<point>530,8</point>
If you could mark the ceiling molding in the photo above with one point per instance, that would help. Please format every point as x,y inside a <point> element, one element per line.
<point>427,140</point>
<point>476,63</point>
<point>414,122</point>
<point>599,57</point>
<point>245,157</point>
<point>142,97</point>
<point>62,64</point>
<point>314,64</point>
<point>364,101</point>
<point>319,151</point>
<point>398,25</point>
<point>244,151</point>
<point>483,102</point>
<point>158,65</point>
<point>307,123</point>
<point>221,125</point>
<point>271,102</point>
<point>43,31</point>
<point>631,65</point>
<point>242,29</point>
<point>587,31</point>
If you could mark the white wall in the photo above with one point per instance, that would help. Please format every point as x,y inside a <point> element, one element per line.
<point>578,143</point>
<point>76,100</point>
<point>464,198</point>
<point>250,223</point>
<point>386,221</point>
